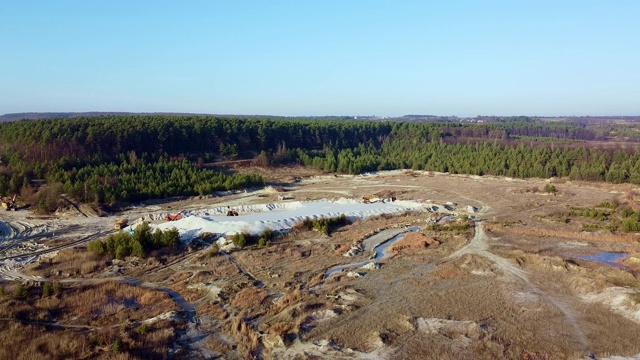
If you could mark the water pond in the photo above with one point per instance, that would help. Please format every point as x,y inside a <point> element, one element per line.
<point>609,258</point>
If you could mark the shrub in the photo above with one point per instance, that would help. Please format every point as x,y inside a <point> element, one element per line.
<point>626,212</point>
<point>608,205</point>
<point>97,247</point>
<point>21,291</point>
<point>267,234</point>
<point>47,290</point>
<point>48,198</point>
<point>549,189</point>
<point>324,225</point>
<point>170,238</point>
<point>239,239</point>
<point>142,329</point>
<point>137,249</point>
<point>214,250</point>
<point>631,225</point>
<point>122,252</point>
<point>117,346</point>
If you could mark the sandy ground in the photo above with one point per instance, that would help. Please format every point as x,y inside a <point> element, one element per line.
<point>505,288</point>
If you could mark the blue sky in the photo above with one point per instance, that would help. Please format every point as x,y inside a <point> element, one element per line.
<point>489,57</point>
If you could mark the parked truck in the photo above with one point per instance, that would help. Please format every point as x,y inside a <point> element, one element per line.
<point>121,224</point>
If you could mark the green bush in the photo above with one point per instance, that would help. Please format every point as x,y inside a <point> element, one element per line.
<point>142,329</point>
<point>608,205</point>
<point>549,189</point>
<point>47,290</point>
<point>122,252</point>
<point>324,225</point>
<point>21,291</point>
<point>213,250</point>
<point>117,346</point>
<point>239,239</point>
<point>626,212</point>
<point>170,238</point>
<point>97,246</point>
<point>140,244</point>
<point>631,225</point>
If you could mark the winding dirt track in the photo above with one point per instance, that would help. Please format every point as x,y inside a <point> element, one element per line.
<point>479,246</point>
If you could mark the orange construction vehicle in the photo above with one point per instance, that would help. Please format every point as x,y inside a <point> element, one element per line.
<point>170,217</point>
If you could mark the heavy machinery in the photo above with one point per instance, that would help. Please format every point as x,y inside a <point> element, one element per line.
<point>121,224</point>
<point>170,217</point>
<point>10,204</point>
<point>373,198</point>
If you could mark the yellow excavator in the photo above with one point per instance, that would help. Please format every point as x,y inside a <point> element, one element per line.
<point>10,204</point>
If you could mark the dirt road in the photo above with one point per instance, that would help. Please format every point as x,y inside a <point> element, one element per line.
<point>479,245</point>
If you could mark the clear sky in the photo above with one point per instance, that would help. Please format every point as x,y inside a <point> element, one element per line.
<point>299,57</point>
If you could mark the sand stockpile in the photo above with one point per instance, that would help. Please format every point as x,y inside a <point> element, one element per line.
<point>255,219</point>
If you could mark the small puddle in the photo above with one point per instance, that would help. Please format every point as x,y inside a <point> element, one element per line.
<point>609,258</point>
<point>380,251</point>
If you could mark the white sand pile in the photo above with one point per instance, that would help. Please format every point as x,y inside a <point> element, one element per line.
<point>254,219</point>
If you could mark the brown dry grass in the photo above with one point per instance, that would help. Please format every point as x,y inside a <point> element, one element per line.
<point>25,341</point>
<point>285,301</point>
<point>214,310</point>
<point>246,338</point>
<point>249,298</point>
<point>341,249</point>
<point>69,262</point>
<point>33,342</point>
<point>413,241</point>
<point>592,237</point>
<point>449,271</point>
<point>105,304</point>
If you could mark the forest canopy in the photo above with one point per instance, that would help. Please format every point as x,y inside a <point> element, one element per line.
<point>130,158</point>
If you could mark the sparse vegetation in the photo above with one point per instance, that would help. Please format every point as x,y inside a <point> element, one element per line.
<point>97,307</point>
<point>214,250</point>
<point>117,346</point>
<point>611,216</point>
<point>457,228</point>
<point>323,225</point>
<point>47,289</point>
<point>252,304</point>
<point>143,329</point>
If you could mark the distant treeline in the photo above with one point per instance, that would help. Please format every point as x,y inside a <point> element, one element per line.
<point>110,158</point>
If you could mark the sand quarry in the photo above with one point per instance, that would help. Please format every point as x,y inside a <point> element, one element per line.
<point>453,267</point>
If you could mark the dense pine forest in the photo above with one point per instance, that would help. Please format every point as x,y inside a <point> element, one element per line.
<point>109,159</point>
